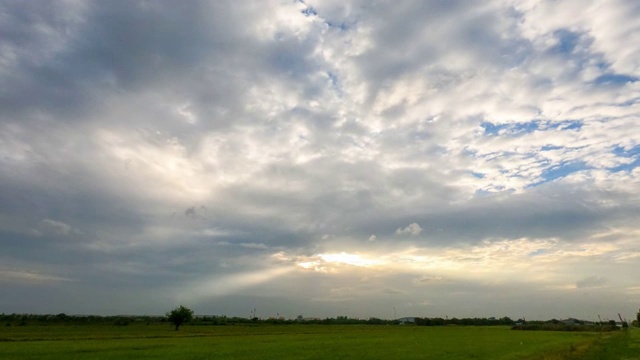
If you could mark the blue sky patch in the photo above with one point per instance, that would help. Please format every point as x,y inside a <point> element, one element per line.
<point>521,128</point>
<point>634,152</point>
<point>509,129</point>
<point>567,41</point>
<point>562,170</point>
<point>567,125</point>
<point>490,128</point>
<point>614,80</point>
<point>627,167</point>
<point>537,252</point>
<point>551,147</point>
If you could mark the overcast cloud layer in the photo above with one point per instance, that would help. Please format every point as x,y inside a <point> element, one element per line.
<point>321,158</point>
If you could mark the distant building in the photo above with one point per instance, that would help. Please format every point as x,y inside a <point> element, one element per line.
<point>570,321</point>
<point>301,318</point>
<point>406,320</point>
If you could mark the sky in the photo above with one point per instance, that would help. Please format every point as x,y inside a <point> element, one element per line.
<point>321,158</point>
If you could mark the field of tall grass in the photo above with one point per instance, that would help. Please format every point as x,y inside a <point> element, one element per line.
<point>160,341</point>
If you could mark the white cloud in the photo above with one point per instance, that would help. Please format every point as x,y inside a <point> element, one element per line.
<point>258,246</point>
<point>412,229</point>
<point>56,227</point>
<point>8,276</point>
<point>591,281</point>
<point>506,128</point>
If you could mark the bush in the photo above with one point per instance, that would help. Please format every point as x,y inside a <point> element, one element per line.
<point>121,322</point>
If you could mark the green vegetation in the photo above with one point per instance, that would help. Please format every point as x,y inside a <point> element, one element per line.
<point>567,327</point>
<point>623,345</point>
<point>179,316</point>
<point>61,336</point>
<point>262,341</point>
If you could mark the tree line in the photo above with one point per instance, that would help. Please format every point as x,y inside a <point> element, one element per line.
<point>62,318</point>
<point>437,321</point>
<point>182,315</point>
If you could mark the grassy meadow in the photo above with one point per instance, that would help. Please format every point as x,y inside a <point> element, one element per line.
<point>160,341</point>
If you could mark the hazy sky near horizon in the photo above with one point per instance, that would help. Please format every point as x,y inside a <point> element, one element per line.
<point>324,158</point>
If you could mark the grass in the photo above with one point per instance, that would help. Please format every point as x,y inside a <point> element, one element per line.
<point>623,346</point>
<point>159,341</point>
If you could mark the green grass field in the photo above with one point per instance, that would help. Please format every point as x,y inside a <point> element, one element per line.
<point>159,341</point>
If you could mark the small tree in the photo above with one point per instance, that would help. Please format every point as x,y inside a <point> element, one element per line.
<point>179,316</point>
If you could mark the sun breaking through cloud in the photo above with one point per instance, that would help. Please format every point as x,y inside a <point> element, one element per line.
<point>309,155</point>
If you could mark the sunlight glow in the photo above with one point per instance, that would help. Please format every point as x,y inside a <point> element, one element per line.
<point>231,284</point>
<point>329,262</point>
<point>348,259</point>
<point>145,158</point>
<point>495,260</point>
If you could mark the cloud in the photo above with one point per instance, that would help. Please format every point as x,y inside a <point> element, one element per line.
<point>259,246</point>
<point>392,291</point>
<point>57,227</point>
<point>219,140</point>
<point>9,276</point>
<point>590,282</point>
<point>428,280</point>
<point>412,229</point>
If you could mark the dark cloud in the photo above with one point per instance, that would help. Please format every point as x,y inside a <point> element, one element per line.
<point>214,151</point>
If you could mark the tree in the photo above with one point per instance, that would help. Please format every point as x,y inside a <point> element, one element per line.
<point>179,316</point>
